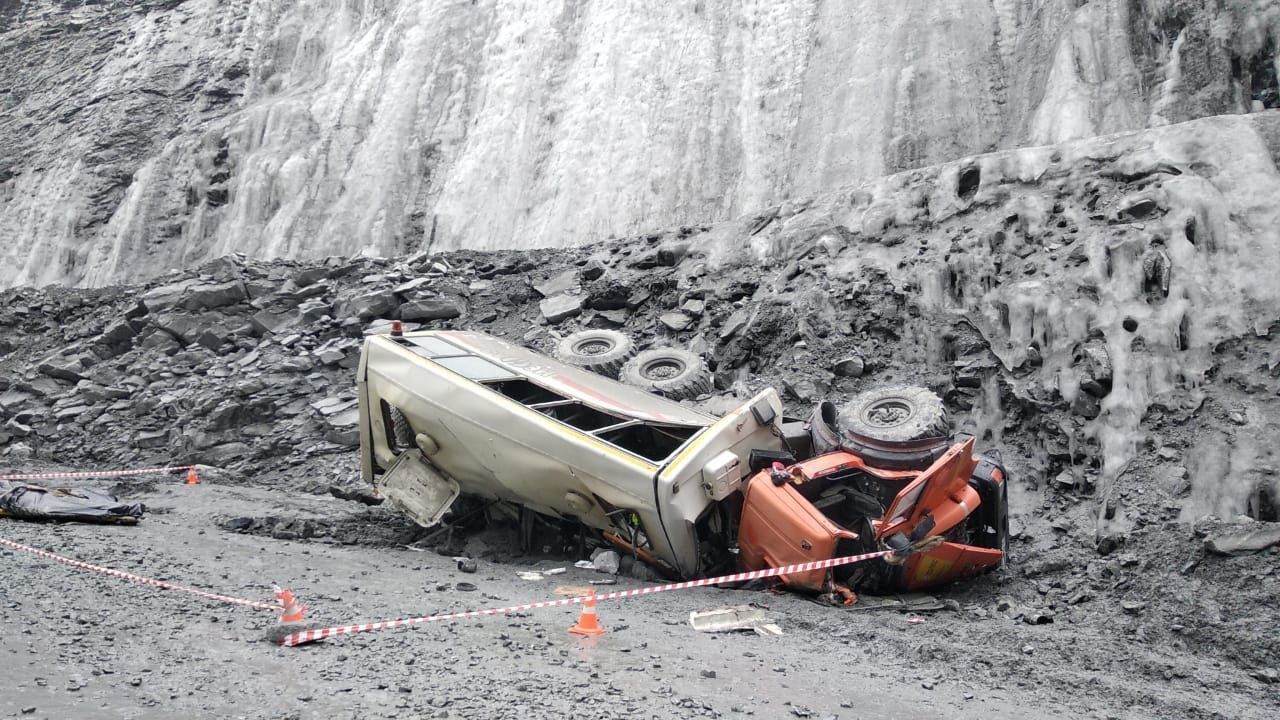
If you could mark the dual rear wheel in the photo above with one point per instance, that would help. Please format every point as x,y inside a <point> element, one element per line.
<point>672,372</point>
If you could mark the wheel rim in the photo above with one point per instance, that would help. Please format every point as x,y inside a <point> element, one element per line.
<point>594,346</point>
<point>664,369</point>
<point>887,413</point>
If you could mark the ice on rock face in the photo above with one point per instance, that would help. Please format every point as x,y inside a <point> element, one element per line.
<point>1104,274</point>
<point>153,135</point>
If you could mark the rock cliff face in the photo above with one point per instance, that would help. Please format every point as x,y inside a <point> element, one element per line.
<point>143,135</point>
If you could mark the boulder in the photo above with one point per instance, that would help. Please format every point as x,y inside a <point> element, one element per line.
<point>17,429</point>
<point>300,363</point>
<point>438,308</point>
<point>694,307</point>
<point>560,307</point>
<point>371,305</point>
<point>310,276</point>
<point>593,270</point>
<point>226,267</point>
<point>676,321</point>
<point>214,295</point>
<point>344,427</point>
<point>214,336</point>
<point>1093,368</point>
<point>267,321</point>
<point>118,333</point>
<point>161,342</point>
<point>166,296</point>
<point>182,326</point>
<point>150,439</point>
<point>63,370</point>
<point>413,285</point>
<point>558,284</point>
<point>314,309</point>
<point>852,366</point>
<point>330,355</point>
<point>1249,540</point>
<point>735,324</point>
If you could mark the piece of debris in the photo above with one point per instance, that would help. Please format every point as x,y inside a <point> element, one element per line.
<point>1041,616</point>
<point>1266,675</point>
<point>1244,541</point>
<point>466,565</point>
<point>364,495</point>
<point>913,602</point>
<point>1133,607</point>
<point>606,561</point>
<point>35,502</point>
<point>852,366</point>
<point>729,619</point>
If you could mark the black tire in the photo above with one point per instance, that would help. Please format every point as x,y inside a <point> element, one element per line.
<point>401,431</point>
<point>675,373</point>
<point>824,428</point>
<point>896,428</point>
<point>899,414</point>
<point>1002,524</point>
<point>600,351</point>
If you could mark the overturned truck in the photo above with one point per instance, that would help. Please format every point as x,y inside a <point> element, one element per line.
<point>450,413</point>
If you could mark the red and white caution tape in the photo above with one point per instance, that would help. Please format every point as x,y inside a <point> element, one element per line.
<point>95,473</point>
<point>137,578</point>
<point>307,636</point>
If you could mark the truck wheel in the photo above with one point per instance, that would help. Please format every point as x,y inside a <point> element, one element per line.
<point>600,351</point>
<point>896,428</point>
<point>1002,524</point>
<point>401,431</point>
<point>675,373</point>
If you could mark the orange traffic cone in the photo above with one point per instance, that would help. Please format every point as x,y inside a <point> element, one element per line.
<point>291,611</point>
<point>292,617</point>
<point>192,478</point>
<point>588,624</point>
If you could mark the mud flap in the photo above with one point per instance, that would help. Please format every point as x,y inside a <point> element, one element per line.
<point>419,489</point>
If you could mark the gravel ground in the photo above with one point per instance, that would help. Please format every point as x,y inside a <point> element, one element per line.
<point>79,644</point>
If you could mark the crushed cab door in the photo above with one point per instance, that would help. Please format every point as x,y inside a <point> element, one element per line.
<point>780,527</point>
<point>941,493</point>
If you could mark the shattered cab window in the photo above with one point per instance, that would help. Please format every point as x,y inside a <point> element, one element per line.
<point>651,442</point>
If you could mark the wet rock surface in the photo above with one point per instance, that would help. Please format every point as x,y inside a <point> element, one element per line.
<point>148,134</point>
<point>1131,397</point>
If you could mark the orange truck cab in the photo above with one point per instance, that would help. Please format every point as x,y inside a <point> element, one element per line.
<point>836,504</point>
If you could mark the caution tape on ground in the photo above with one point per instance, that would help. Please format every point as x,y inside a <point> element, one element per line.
<point>95,473</point>
<point>306,636</point>
<point>137,578</point>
